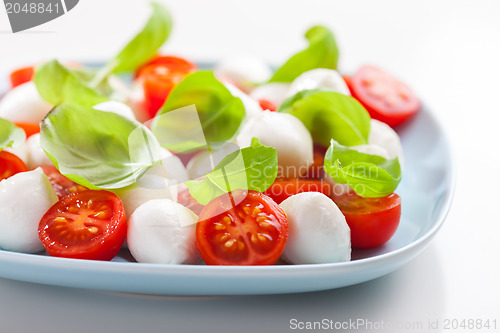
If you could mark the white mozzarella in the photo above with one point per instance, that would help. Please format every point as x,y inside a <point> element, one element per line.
<point>204,162</point>
<point>273,92</point>
<point>243,71</point>
<point>159,182</point>
<point>319,78</point>
<point>163,232</point>
<point>135,99</point>
<point>287,134</point>
<point>252,107</point>
<point>317,231</point>
<point>119,108</point>
<point>36,155</point>
<point>20,150</point>
<point>23,104</point>
<point>24,199</point>
<point>383,136</point>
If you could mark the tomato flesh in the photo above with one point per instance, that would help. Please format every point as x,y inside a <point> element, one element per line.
<point>10,164</point>
<point>385,97</point>
<point>284,188</point>
<point>21,75</point>
<point>159,77</point>
<point>373,221</point>
<point>61,184</point>
<point>241,228</point>
<point>29,129</point>
<point>267,105</point>
<point>87,225</point>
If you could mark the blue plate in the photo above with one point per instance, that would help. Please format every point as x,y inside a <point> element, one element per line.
<point>426,192</point>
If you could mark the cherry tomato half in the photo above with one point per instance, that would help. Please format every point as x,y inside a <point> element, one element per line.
<point>10,164</point>
<point>61,184</point>
<point>21,75</point>
<point>29,129</point>
<point>385,97</point>
<point>86,225</point>
<point>159,77</point>
<point>373,221</point>
<point>242,228</point>
<point>282,188</point>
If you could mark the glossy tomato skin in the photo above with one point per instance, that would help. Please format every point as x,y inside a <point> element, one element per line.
<point>159,77</point>
<point>86,225</point>
<point>21,75</point>
<point>241,228</point>
<point>385,97</point>
<point>283,188</point>
<point>10,164</point>
<point>373,221</point>
<point>267,105</point>
<point>62,185</point>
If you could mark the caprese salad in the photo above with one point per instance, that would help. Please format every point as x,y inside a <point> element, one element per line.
<point>239,164</point>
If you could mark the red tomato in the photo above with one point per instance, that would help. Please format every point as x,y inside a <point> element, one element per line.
<point>315,171</point>
<point>244,228</point>
<point>61,184</point>
<point>373,221</point>
<point>385,97</point>
<point>282,188</point>
<point>86,225</point>
<point>10,164</point>
<point>21,75</point>
<point>159,77</point>
<point>29,129</point>
<point>267,105</point>
<point>186,199</point>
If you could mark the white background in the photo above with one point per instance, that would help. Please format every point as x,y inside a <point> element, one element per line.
<point>448,51</point>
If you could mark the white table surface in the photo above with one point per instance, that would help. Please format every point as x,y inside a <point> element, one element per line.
<point>448,51</point>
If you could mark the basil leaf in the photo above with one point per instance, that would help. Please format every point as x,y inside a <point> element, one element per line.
<point>10,134</point>
<point>146,43</point>
<point>57,84</point>
<point>321,53</point>
<point>252,168</point>
<point>217,116</point>
<point>330,115</point>
<point>98,149</point>
<point>368,175</point>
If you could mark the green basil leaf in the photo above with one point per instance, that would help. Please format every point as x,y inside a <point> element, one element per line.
<point>252,168</point>
<point>368,175</point>
<point>217,116</point>
<point>146,43</point>
<point>57,84</point>
<point>10,134</point>
<point>330,115</point>
<point>321,53</point>
<point>98,149</point>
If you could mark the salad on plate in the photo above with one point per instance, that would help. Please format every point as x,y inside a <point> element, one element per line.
<point>236,164</point>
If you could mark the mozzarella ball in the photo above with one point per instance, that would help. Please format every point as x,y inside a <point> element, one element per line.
<point>204,161</point>
<point>317,230</point>
<point>163,232</point>
<point>319,78</point>
<point>23,104</point>
<point>116,107</point>
<point>287,134</point>
<point>36,155</point>
<point>172,167</point>
<point>135,99</point>
<point>24,199</point>
<point>20,150</point>
<point>252,107</point>
<point>273,92</point>
<point>383,136</point>
<point>243,71</point>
